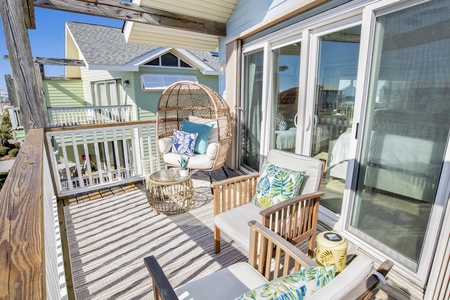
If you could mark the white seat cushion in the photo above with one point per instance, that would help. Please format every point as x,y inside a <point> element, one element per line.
<point>225,284</point>
<point>195,162</point>
<point>347,280</point>
<point>234,223</point>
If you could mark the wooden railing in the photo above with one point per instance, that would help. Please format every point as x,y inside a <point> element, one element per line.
<point>30,249</point>
<point>90,157</point>
<point>70,116</point>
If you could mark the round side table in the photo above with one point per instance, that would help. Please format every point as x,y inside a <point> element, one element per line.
<point>168,192</point>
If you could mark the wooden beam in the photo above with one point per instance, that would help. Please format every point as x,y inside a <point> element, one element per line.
<point>28,14</point>
<point>22,255</point>
<point>9,88</point>
<point>132,12</point>
<point>30,98</point>
<point>56,61</point>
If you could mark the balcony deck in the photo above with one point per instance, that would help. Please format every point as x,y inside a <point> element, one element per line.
<point>110,231</point>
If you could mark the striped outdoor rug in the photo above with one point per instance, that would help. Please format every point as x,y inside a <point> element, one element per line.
<point>108,239</point>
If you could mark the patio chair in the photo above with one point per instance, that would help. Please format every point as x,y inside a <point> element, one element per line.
<point>356,281</point>
<point>187,108</point>
<point>294,219</point>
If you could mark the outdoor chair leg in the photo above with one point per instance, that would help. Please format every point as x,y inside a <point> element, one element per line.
<point>223,169</point>
<point>210,181</point>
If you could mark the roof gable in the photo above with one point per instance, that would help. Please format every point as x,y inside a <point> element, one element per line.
<point>104,47</point>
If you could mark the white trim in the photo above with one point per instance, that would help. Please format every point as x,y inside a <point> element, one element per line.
<point>161,78</point>
<point>139,61</point>
<point>302,97</point>
<point>340,13</point>
<point>186,55</point>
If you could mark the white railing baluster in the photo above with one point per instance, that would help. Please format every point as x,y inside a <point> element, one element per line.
<point>65,163</point>
<point>77,160</point>
<point>107,156</point>
<point>87,161</point>
<point>116,153</point>
<point>125,153</point>
<point>97,157</point>
<point>117,162</point>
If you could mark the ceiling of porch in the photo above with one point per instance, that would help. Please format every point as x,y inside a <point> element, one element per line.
<point>210,14</point>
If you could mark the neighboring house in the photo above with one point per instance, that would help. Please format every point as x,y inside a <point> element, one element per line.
<point>117,73</point>
<point>361,84</point>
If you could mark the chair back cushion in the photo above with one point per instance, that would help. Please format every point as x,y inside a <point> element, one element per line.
<point>276,184</point>
<point>312,167</point>
<point>203,130</point>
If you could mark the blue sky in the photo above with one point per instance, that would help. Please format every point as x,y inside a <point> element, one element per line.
<point>47,40</point>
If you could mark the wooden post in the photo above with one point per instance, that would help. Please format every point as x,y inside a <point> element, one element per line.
<point>10,90</point>
<point>29,90</point>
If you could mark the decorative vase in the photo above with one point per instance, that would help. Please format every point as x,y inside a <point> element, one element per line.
<point>184,173</point>
<point>282,125</point>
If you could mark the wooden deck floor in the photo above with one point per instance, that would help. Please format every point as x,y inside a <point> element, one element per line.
<point>385,293</point>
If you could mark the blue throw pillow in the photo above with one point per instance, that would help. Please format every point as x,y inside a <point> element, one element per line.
<point>203,130</point>
<point>183,142</point>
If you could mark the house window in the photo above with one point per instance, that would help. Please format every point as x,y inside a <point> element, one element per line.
<point>106,92</point>
<point>168,60</point>
<point>161,82</point>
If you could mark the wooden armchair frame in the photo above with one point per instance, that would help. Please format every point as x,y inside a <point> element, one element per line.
<point>273,257</point>
<point>295,219</point>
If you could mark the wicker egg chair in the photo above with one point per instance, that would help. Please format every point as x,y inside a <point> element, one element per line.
<point>183,100</point>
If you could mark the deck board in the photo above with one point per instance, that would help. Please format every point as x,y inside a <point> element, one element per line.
<point>111,196</point>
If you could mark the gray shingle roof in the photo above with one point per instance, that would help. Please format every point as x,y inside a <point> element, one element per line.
<point>105,45</point>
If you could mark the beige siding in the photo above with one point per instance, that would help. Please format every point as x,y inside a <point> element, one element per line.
<point>63,93</point>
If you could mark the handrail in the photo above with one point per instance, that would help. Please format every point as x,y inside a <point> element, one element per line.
<point>69,116</point>
<point>28,227</point>
<point>90,157</point>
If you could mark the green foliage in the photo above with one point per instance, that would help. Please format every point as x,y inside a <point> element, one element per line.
<point>5,128</point>
<point>13,152</point>
<point>184,162</point>
<point>3,176</point>
<point>4,150</point>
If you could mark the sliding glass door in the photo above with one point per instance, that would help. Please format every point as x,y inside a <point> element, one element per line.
<point>333,109</point>
<point>284,101</point>
<point>405,131</point>
<point>251,111</point>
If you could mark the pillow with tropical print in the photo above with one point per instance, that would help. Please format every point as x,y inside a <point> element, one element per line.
<point>276,184</point>
<point>298,285</point>
<point>184,142</point>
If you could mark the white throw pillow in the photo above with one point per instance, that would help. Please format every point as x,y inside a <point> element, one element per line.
<point>165,144</point>
<point>211,151</point>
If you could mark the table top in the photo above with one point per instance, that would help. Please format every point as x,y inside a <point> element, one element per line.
<point>167,176</point>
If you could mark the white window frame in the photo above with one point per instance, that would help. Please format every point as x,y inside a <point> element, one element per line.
<point>160,82</point>
<point>159,58</point>
<point>95,91</point>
